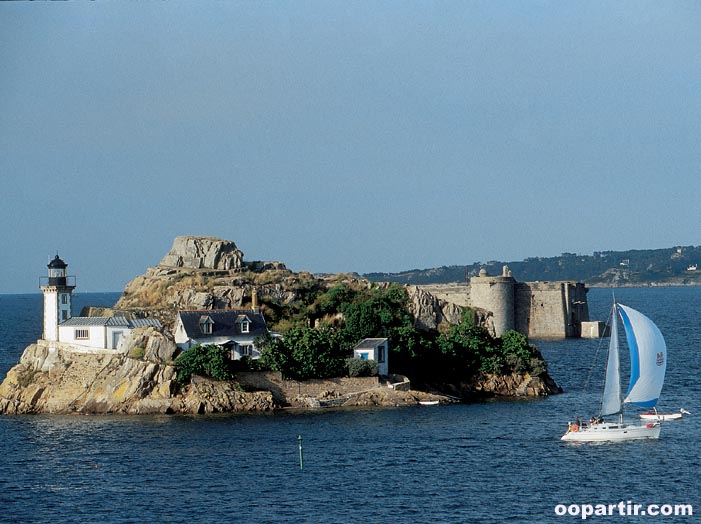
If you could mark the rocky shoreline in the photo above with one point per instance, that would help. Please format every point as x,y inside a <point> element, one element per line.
<point>60,380</point>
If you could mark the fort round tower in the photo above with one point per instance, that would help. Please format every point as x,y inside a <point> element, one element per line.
<point>495,294</point>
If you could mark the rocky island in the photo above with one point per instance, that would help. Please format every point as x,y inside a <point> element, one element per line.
<point>129,358</point>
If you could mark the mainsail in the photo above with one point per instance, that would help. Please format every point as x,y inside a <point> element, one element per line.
<point>611,401</point>
<point>648,356</point>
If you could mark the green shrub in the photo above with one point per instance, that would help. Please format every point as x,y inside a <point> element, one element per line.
<point>359,367</point>
<point>137,353</point>
<point>538,366</point>
<point>210,361</point>
<point>26,377</point>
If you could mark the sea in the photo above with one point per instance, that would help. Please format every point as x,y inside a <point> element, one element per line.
<point>498,461</point>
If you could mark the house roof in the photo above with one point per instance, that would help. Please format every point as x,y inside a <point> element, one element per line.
<point>370,343</point>
<point>111,321</point>
<point>226,323</point>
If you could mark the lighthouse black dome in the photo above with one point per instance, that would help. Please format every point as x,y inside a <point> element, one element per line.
<point>57,263</point>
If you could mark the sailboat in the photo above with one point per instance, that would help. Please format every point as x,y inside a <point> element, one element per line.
<point>648,362</point>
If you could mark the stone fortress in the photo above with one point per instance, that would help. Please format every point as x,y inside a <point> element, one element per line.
<point>539,310</point>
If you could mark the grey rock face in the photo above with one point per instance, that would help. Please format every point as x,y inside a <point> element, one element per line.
<point>203,253</point>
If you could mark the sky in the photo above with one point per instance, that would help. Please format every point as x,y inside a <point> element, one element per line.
<point>341,136</point>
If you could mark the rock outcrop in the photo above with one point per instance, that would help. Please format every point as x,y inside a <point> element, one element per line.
<point>139,381</point>
<point>209,273</point>
<point>431,313</point>
<point>203,253</point>
<point>513,385</point>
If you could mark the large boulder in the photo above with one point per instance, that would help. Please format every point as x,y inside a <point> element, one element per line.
<point>150,344</point>
<point>203,253</point>
<point>432,313</point>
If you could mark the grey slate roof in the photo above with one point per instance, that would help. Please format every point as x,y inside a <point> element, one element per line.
<point>227,323</point>
<point>111,321</point>
<point>144,322</point>
<point>369,343</point>
<point>86,321</point>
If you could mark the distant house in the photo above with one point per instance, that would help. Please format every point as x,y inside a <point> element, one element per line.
<point>100,332</point>
<point>374,349</point>
<point>235,329</point>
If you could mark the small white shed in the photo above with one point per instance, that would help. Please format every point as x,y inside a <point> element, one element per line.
<point>374,349</point>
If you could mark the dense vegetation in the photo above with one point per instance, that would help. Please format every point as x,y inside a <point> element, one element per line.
<point>600,268</point>
<point>382,311</point>
<point>319,343</point>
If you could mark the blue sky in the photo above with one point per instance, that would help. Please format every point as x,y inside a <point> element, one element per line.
<point>344,136</point>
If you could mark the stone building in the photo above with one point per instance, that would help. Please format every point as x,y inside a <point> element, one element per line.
<point>536,309</point>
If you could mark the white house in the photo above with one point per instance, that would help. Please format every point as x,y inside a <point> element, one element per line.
<point>374,349</point>
<point>236,329</point>
<point>92,332</point>
<point>100,332</point>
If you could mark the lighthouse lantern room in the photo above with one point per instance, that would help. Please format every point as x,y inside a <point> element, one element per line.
<point>58,297</point>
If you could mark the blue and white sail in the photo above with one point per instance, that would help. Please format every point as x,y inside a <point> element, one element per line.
<point>611,401</point>
<point>648,358</point>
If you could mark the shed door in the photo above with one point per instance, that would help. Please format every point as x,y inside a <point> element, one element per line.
<point>116,337</point>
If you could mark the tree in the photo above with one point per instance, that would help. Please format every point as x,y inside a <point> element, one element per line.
<point>305,352</point>
<point>210,360</point>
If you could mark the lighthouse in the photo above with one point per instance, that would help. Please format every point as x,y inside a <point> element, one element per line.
<point>58,298</point>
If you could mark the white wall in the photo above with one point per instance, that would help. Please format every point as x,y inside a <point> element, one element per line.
<point>50,315</point>
<point>96,336</point>
<point>180,335</point>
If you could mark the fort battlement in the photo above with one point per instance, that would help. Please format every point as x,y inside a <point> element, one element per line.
<point>536,309</point>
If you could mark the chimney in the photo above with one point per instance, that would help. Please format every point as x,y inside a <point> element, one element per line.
<point>254,300</point>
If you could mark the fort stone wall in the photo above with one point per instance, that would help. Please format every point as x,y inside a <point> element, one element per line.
<point>539,310</point>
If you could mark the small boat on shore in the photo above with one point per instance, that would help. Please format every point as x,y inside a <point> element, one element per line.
<point>429,402</point>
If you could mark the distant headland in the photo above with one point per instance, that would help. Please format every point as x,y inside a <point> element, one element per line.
<point>674,266</point>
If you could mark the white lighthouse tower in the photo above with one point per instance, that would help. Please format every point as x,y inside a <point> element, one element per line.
<point>58,298</point>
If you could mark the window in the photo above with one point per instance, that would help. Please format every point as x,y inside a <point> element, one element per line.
<point>82,334</point>
<point>245,326</point>
<point>64,298</point>
<point>206,324</point>
<point>64,315</point>
<point>380,353</point>
<point>246,350</point>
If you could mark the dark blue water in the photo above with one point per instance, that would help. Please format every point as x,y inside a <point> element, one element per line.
<point>491,462</point>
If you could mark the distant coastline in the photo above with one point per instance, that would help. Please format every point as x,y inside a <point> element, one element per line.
<point>674,266</point>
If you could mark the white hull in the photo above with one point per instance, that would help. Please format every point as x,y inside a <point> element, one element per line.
<point>606,432</point>
<point>659,417</point>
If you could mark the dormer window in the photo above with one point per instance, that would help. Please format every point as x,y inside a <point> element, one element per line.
<point>206,324</point>
<point>244,323</point>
